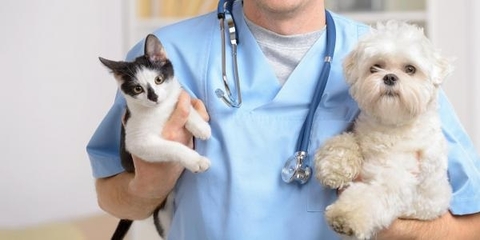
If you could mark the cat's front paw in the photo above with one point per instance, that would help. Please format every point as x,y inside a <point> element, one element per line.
<point>204,133</point>
<point>201,164</point>
<point>200,130</point>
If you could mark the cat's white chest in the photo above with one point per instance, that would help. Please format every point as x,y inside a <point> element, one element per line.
<point>149,120</point>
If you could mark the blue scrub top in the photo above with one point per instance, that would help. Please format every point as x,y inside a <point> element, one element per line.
<point>242,195</point>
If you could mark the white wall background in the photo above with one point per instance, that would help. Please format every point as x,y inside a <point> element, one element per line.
<point>54,92</point>
<point>455,29</point>
<point>475,68</point>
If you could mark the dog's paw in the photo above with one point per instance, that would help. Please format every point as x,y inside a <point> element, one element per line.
<point>340,225</point>
<point>338,161</point>
<point>201,164</point>
<point>333,175</point>
<point>348,222</point>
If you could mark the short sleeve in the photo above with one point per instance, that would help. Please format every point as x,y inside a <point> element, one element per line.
<point>463,163</point>
<point>103,147</point>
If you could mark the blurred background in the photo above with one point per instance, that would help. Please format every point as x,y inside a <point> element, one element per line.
<point>55,92</point>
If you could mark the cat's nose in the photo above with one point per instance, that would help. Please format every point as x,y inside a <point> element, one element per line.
<point>152,96</point>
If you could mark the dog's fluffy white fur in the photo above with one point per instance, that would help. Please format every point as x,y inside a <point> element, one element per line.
<point>393,164</point>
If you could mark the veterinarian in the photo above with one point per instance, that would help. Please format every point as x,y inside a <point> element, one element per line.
<point>281,53</point>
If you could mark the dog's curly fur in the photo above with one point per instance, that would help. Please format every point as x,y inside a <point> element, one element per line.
<point>394,162</point>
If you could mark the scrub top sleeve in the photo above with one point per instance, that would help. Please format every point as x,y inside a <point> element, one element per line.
<point>103,148</point>
<point>463,162</point>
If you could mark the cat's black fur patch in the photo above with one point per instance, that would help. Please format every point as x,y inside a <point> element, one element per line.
<point>122,229</point>
<point>156,219</point>
<point>125,156</point>
<point>151,94</point>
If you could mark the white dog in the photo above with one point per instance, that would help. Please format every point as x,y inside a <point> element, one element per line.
<point>396,152</point>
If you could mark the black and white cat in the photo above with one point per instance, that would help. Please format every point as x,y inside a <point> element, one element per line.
<point>151,92</point>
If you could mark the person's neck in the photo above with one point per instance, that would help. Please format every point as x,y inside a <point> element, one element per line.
<point>287,19</point>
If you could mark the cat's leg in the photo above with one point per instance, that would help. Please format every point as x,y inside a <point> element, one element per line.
<point>338,161</point>
<point>156,149</point>
<point>197,126</point>
<point>162,216</point>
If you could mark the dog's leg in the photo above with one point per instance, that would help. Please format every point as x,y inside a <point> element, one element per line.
<point>432,198</point>
<point>338,161</point>
<point>354,215</point>
<point>365,208</point>
<point>433,192</point>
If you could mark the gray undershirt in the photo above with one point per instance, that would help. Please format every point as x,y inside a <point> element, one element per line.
<point>283,52</point>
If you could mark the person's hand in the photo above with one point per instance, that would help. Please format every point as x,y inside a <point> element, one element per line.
<point>405,229</point>
<point>153,180</point>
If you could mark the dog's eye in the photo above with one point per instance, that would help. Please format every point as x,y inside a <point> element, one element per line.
<point>375,68</point>
<point>409,69</point>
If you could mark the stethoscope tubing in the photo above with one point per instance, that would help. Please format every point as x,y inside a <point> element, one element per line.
<point>296,167</point>
<point>304,137</point>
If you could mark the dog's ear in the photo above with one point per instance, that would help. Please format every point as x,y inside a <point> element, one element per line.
<point>442,69</point>
<point>349,64</point>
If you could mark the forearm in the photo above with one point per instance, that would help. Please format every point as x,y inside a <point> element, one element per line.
<point>135,196</point>
<point>468,227</point>
<point>116,198</point>
<point>446,227</point>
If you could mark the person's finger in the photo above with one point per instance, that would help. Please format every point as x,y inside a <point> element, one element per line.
<point>174,128</point>
<point>182,110</point>
<point>198,105</point>
<point>149,176</point>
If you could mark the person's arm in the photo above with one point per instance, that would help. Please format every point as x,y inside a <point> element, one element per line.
<point>135,196</point>
<point>128,196</point>
<point>466,227</point>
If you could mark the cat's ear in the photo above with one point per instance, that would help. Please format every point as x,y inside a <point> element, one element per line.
<point>154,49</point>
<point>112,65</point>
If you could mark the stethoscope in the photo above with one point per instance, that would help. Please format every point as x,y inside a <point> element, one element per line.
<point>296,169</point>
<point>224,13</point>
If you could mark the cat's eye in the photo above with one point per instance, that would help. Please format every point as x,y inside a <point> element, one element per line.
<point>375,68</point>
<point>137,89</point>
<point>410,70</point>
<point>159,80</point>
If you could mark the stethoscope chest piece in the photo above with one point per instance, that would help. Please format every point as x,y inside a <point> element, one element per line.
<point>294,169</point>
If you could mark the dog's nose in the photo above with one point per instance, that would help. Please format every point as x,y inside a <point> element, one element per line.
<point>390,79</point>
